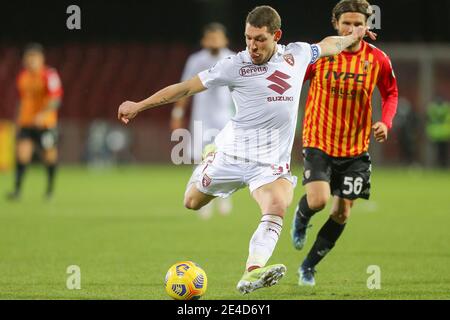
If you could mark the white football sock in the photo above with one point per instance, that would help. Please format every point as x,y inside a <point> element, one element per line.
<point>264,240</point>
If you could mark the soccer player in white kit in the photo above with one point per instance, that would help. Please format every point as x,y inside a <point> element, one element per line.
<point>211,109</point>
<point>254,147</point>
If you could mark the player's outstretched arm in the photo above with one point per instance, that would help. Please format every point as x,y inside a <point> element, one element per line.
<point>129,109</point>
<point>333,45</point>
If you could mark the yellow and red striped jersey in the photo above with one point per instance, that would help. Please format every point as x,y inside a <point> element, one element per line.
<point>36,90</point>
<point>338,112</point>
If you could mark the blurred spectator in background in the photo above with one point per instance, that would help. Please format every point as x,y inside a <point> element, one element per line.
<point>107,145</point>
<point>212,108</point>
<point>438,129</point>
<point>406,127</point>
<point>40,93</point>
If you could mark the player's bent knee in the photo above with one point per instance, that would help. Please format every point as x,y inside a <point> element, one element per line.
<point>195,200</point>
<point>317,201</point>
<point>341,217</point>
<point>191,203</point>
<point>24,151</point>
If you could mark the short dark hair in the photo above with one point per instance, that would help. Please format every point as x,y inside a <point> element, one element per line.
<point>264,16</point>
<point>343,6</point>
<point>214,27</point>
<point>34,47</point>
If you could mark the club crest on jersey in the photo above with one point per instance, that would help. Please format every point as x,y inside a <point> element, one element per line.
<point>206,181</point>
<point>307,174</point>
<point>289,58</point>
<point>366,65</point>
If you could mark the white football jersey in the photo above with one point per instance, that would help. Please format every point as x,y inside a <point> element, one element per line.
<point>214,108</point>
<point>266,98</point>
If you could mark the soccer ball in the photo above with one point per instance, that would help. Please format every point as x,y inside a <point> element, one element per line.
<point>186,280</point>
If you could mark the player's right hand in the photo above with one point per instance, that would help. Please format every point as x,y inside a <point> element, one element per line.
<point>127,111</point>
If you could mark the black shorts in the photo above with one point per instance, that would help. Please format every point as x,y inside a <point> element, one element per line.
<point>349,178</point>
<point>42,138</point>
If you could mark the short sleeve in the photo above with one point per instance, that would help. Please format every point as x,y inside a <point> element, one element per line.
<point>219,75</point>
<point>53,82</point>
<point>309,53</point>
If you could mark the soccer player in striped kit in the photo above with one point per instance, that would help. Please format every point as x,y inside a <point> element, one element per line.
<point>336,132</point>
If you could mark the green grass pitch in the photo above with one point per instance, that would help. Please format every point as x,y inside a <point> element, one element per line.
<point>125,227</point>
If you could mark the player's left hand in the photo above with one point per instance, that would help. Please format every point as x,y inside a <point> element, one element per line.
<point>380,131</point>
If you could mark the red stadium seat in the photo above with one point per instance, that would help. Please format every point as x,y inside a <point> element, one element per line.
<point>97,78</point>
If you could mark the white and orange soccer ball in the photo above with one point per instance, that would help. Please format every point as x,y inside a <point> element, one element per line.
<point>186,280</point>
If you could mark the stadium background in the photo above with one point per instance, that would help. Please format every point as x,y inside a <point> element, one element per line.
<point>126,54</point>
<point>129,49</point>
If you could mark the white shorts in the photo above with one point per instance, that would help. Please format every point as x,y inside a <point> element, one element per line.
<point>220,175</point>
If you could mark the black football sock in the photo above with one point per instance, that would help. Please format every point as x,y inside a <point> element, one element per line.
<point>326,239</point>
<point>304,212</point>
<point>51,171</point>
<point>20,172</point>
